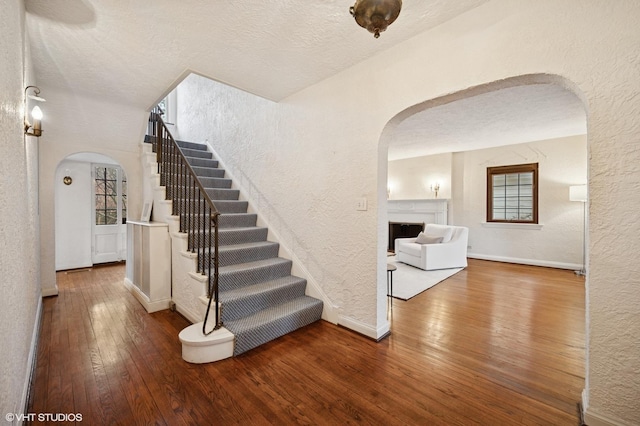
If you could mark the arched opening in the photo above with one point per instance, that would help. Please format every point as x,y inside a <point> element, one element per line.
<point>90,211</point>
<point>461,165</point>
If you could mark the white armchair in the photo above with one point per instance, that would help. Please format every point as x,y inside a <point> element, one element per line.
<point>451,252</point>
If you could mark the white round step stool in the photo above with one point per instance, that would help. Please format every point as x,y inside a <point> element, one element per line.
<point>199,349</point>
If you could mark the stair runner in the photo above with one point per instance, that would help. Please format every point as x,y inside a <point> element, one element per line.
<point>260,299</point>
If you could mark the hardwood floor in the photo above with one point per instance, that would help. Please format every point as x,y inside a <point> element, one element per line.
<point>496,344</point>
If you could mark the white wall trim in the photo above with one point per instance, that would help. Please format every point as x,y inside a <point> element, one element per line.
<point>430,210</point>
<point>50,291</point>
<point>533,262</point>
<point>330,310</point>
<point>523,226</point>
<point>364,329</point>
<point>155,306</point>
<point>593,418</point>
<point>35,335</point>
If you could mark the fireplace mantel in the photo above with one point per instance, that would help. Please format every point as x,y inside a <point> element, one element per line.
<point>432,210</point>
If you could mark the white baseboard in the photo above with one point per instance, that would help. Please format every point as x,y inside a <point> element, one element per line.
<point>593,418</point>
<point>35,335</point>
<point>364,329</point>
<point>155,306</point>
<point>50,291</point>
<point>521,261</point>
<point>193,318</point>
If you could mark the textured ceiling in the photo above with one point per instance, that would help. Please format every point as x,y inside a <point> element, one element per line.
<point>130,52</point>
<point>503,117</point>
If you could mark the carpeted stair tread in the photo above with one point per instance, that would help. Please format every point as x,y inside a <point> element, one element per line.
<point>231,236</point>
<point>192,145</point>
<point>247,252</point>
<point>208,171</point>
<point>226,220</point>
<point>202,162</point>
<point>231,206</point>
<point>222,194</point>
<point>244,274</point>
<point>196,153</point>
<point>248,300</point>
<point>223,206</point>
<point>215,182</point>
<point>271,323</point>
<point>237,220</point>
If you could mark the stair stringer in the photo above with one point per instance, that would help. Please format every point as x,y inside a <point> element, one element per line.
<point>330,311</point>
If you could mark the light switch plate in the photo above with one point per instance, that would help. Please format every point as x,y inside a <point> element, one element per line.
<point>361,204</point>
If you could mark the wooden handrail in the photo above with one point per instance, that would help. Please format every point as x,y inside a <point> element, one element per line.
<point>192,204</point>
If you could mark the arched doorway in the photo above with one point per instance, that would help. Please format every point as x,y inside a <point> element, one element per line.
<point>440,142</point>
<point>90,211</point>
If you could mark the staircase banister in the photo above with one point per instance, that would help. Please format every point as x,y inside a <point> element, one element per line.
<point>160,133</point>
<point>191,171</point>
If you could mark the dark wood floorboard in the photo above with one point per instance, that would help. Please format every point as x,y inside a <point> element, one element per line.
<point>496,344</point>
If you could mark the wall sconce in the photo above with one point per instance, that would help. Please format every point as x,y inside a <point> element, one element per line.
<point>435,187</point>
<point>34,129</point>
<point>375,15</point>
<point>388,192</point>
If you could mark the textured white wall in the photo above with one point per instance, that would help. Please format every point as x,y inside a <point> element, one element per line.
<point>411,178</point>
<point>309,157</point>
<point>19,266</point>
<point>561,162</point>
<point>75,124</point>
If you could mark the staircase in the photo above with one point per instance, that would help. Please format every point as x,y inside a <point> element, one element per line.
<point>260,300</point>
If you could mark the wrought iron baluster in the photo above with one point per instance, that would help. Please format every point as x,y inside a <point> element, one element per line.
<point>197,212</point>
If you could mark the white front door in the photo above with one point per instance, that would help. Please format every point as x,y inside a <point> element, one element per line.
<point>109,218</point>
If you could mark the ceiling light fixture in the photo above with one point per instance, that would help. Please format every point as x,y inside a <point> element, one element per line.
<point>375,15</point>
<point>34,129</point>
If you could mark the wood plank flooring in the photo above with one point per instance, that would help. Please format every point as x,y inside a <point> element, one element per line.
<point>496,344</point>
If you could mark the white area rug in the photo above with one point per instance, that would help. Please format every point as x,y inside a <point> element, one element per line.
<point>409,281</point>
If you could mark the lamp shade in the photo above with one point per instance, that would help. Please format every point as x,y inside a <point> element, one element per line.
<point>578,193</point>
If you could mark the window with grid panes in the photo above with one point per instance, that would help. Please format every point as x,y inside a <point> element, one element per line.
<point>106,193</point>
<point>512,193</point>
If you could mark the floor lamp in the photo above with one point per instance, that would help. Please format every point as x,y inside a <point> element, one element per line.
<point>579,193</point>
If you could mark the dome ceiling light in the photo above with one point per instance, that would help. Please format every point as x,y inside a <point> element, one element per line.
<point>375,15</point>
